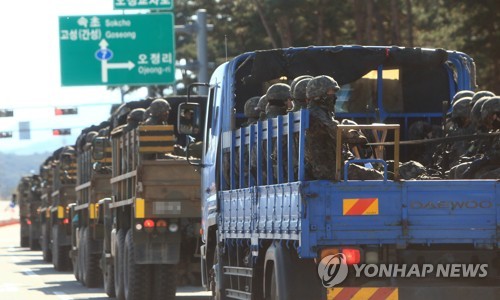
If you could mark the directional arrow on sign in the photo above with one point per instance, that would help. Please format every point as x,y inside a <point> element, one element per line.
<point>104,54</point>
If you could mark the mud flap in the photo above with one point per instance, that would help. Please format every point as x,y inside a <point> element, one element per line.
<point>157,248</point>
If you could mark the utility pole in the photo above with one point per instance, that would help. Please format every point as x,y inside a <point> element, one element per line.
<point>199,27</point>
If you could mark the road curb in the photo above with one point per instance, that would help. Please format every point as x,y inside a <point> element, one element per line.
<point>9,222</point>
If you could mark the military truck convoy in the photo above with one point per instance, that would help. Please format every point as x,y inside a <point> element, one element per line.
<point>28,199</point>
<point>121,207</point>
<point>147,204</point>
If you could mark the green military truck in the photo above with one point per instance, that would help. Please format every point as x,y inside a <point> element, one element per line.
<point>58,191</point>
<point>22,195</point>
<point>152,218</point>
<point>92,185</point>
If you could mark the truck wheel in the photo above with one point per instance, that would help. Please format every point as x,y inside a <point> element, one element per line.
<point>46,251</point>
<point>90,265</point>
<point>60,254</point>
<point>286,273</point>
<point>108,275</point>
<point>165,280</point>
<point>136,277</point>
<point>74,259</point>
<point>216,276</point>
<point>81,254</point>
<point>274,293</point>
<point>25,241</point>
<point>34,240</point>
<point>118,263</point>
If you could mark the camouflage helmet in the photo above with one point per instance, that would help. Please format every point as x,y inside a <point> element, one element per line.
<point>319,86</point>
<point>278,91</point>
<point>411,170</point>
<point>89,137</point>
<point>251,110</point>
<point>159,107</point>
<point>461,94</point>
<point>296,80</point>
<point>490,106</point>
<point>480,94</point>
<point>262,103</point>
<point>104,131</point>
<point>299,92</point>
<point>136,115</point>
<point>475,112</point>
<point>461,108</point>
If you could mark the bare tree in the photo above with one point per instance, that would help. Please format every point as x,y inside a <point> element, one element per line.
<point>359,18</point>
<point>395,30</point>
<point>265,23</point>
<point>409,12</point>
<point>369,18</point>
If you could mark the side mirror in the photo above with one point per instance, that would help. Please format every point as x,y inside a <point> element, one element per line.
<point>188,118</point>
<point>99,148</point>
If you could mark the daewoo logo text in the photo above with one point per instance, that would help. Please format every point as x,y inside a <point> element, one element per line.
<point>470,204</point>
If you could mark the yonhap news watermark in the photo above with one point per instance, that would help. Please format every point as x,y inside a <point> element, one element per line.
<point>333,270</point>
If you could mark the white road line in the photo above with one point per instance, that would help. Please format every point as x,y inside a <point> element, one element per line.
<point>62,296</point>
<point>30,272</point>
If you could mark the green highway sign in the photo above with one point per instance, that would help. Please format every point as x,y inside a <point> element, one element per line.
<point>143,4</point>
<point>117,49</point>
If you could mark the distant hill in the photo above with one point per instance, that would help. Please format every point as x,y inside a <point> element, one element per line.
<point>13,167</point>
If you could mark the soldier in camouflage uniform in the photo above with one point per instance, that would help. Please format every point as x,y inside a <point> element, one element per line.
<point>277,95</point>
<point>134,118</point>
<point>320,145</point>
<point>475,149</point>
<point>262,107</point>
<point>480,94</point>
<point>251,111</point>
<point>299,94</point>
<point>487,164</point>
<point>159,110</point>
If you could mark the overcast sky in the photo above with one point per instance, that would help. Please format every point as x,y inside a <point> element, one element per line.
<point>31,83</point>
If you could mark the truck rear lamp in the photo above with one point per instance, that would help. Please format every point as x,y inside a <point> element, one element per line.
<point>328,251</point>
<point>138,226</point>
<point>149,225</point>
<point>173,227</point>
<point>161,226</point>
<point>352,255</point>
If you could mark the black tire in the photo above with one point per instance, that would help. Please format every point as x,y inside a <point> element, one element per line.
<point>92,272</point>
<point>137,277</point>
<point>60,254</point>
<point>274,293</point>
<point>34,240</point>
<point>165,279</point>
<point>218,281</point>
<point>108,276</point>
<point>79,259</point>
<point>118,265</point>
<point>46,250</point>
<point>25,241</point>
<point>24,228</point>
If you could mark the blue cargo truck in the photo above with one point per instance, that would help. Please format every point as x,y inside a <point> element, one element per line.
<point>267,229</point>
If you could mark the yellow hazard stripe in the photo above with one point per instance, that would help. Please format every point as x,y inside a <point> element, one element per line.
<point>360,207</point>
<point>164,138</point>
<point>60,212</point>
<point>139,208</point>
<point>156,149</point>
<point>367,293</point>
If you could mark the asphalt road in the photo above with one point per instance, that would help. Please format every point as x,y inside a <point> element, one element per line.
<point>25,276</point>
